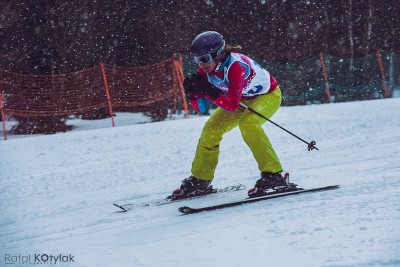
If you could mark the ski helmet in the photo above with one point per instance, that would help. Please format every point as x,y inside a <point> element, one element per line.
<point>209,42</point>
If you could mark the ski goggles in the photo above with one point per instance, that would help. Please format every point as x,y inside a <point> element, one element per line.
<point>204,59</point>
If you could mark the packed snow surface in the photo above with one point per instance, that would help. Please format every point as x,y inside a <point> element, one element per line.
<point>56,194</point>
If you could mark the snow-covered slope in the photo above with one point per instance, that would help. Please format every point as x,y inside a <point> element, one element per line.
<point>56,194</point>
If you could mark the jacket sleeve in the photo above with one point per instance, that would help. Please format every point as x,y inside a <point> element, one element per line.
<point>231,100</point>
<point>201,104</point>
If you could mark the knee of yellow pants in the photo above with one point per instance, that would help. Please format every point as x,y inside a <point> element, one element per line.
<point>207,152</point>
<point>251,130</point>
<point>261,147</point>
<point>210,136</point>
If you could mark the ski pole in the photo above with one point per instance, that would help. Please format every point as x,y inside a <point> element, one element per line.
<point>310,145</point>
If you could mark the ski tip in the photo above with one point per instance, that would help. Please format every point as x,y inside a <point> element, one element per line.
<point>119,206</point>
<point>185,210</point>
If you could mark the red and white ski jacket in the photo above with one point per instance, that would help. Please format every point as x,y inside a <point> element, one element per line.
<point>238,77</point>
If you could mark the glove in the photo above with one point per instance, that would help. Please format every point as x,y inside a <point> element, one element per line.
<point>189,87</point>
<point>198,83</point>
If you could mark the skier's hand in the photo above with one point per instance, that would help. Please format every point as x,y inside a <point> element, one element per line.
<point>190,89</point>
<point>198,83</point>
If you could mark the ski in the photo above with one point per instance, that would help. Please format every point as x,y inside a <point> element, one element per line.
<point>128,206</point>
<point>189,210</point>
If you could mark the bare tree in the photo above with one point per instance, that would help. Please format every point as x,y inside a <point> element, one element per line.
<point>370,24</point>
<point>351,37</point>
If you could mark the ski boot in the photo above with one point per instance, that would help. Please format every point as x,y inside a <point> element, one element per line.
<point>192,186</point>
<point>269,180</point>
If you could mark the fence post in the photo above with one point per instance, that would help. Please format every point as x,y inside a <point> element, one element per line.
<point>328,92</point>
<point>183,77</point>
<point>3,116</point>
<point>107,93</point>
<point>385,89</point>
<point>179,72</point>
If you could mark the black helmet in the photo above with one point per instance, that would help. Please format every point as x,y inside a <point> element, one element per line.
<point>207,43</point>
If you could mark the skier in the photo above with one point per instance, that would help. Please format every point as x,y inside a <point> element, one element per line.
<point>228,78</point>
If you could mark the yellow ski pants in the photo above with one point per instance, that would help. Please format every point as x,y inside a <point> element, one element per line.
<point>222,121</point>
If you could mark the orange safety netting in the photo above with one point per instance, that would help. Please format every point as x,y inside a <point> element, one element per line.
<point>103,86</point>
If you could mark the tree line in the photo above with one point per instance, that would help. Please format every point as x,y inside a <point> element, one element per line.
<point>57,36</point>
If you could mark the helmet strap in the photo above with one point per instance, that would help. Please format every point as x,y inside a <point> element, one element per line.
<point>220,57</point>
